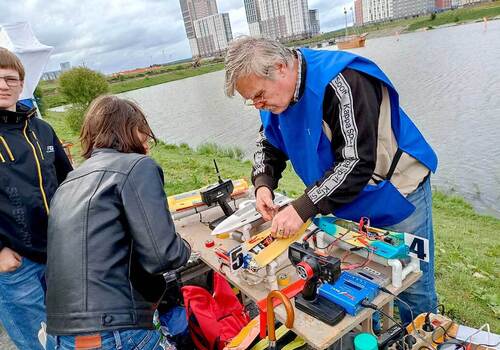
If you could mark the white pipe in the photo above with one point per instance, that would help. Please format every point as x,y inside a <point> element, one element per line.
<point>397,272</point>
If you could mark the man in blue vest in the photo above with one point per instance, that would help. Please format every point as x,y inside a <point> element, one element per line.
<point>336,117</point>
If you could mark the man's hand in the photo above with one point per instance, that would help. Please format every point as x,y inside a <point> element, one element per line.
<point>9,260</point>
<point>286,223</point>
<point>264,203</point>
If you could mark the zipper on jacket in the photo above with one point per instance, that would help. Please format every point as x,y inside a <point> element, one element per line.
<point>7,148</point>
<point>38,167</point>
<point>38,144</point>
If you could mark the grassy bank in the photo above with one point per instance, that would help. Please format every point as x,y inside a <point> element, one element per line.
<point>467,249</point>
<point>458,16</point>
<point>52,97</point>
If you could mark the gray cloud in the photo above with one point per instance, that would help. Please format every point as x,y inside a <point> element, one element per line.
<point>115,35</point>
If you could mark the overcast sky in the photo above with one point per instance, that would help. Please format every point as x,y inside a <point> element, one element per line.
<point>115,35</point>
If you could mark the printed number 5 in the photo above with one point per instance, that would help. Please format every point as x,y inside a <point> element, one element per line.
<point>236,258</point>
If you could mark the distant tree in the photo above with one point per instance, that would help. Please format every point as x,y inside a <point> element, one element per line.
<point>81,85</point>
<point>38,94</point>
<point>74,118</point>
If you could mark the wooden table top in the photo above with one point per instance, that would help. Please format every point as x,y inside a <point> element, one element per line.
<point>319,335</point>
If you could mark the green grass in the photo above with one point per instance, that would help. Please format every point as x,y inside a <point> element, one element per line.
<point>467,246</point>
<point>214,150</point>
<point>163,78</point>
<point>488,10</point>
<point>458,16</point>
<point>467,261</point>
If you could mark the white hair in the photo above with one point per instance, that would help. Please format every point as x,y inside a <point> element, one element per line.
<point>248,55</point>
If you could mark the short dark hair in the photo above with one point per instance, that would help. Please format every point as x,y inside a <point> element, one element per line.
<point>111,122</point>
<point>8,60</point>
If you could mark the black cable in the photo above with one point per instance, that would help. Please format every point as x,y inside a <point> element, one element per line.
<point>367,304</point>
<point>442,311</point>
<point>445,333</point>
<point>334,241</point>
<point>385,290</point>
<point>310,234</point>
<point>458,344</point>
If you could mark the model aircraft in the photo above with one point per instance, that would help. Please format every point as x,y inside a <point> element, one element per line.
<point>247,214</point>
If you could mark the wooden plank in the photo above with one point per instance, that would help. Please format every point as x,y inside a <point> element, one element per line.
<point>317,334</point>
<point>389,310</point>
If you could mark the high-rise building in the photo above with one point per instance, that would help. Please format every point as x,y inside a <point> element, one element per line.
<point>193,10</point>
<point>65,66</point>
<point>443,4</point>
<point>462,3</point>
<point>253,17</point>
<point>378,10</point>
<point>410,8</point>
<point>279,19</point>
<point>213,34</point>
<point>358,12</point>
<point>314,20</point>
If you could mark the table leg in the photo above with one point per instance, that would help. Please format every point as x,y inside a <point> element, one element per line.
<point>366,325</point>
<point>389,310</point>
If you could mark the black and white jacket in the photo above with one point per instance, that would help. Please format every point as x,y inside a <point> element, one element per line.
<point>32,165</point>
<point>366,123</point>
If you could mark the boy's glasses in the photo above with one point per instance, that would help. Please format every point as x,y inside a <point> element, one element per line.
<point>11,81</point>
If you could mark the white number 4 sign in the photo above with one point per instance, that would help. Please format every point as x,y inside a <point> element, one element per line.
<point>419,247</point>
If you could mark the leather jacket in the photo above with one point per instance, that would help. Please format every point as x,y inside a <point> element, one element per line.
<point>107,219</point>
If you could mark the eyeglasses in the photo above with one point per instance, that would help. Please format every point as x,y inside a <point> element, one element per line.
<point>11,81</point>
<point>257,100</point>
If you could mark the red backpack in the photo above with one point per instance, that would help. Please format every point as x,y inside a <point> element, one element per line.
<point>213,319</point>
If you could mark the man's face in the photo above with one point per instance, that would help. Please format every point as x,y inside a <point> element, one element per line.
<point>10,88</point>
<point>272,95</point>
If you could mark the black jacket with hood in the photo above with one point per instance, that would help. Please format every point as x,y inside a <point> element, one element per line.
<point>32,165</point>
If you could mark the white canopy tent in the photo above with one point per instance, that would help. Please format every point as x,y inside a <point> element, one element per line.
<point>19,39</point>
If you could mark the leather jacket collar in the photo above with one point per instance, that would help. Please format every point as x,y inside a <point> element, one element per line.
<point>96,151</point>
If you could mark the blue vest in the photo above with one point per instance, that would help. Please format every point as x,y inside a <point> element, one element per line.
<point>298,133</point>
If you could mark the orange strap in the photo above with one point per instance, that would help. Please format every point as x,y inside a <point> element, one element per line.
<point>87,342</point>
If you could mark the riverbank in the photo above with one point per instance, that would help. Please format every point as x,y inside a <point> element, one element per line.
<point>464,15</point>
<point>467,253</point>
<point>53,98</point>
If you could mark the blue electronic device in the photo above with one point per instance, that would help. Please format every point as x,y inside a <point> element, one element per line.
<point>326,224</point>
<point>349,291</point>
<point>389,251</point>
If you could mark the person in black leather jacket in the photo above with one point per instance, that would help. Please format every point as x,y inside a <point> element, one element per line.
<point>108,219</point>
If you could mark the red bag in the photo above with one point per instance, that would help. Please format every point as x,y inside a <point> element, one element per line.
<point>213,320</point>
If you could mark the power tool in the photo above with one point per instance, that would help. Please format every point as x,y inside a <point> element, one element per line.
<point>315,269</point>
